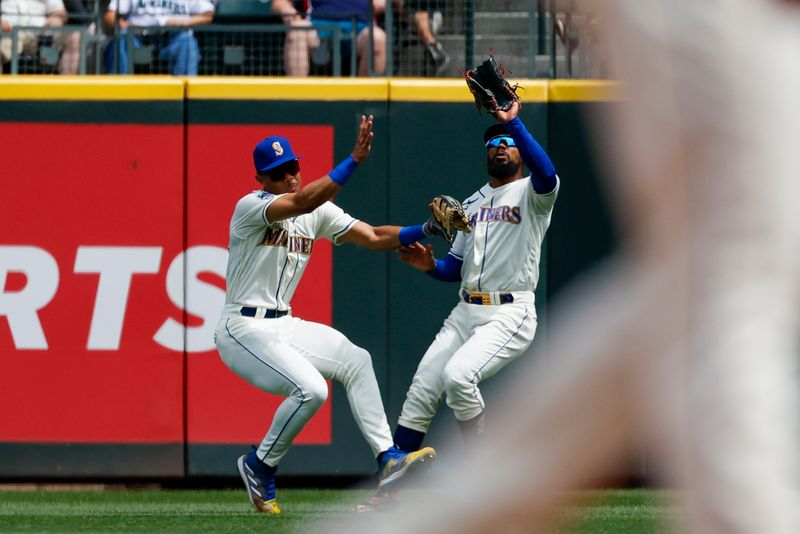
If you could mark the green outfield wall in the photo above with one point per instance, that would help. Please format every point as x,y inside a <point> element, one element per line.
<point>117,194</point>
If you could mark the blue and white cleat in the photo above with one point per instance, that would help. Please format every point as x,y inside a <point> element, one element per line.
<point>260,483</point>
<point>397,463</point>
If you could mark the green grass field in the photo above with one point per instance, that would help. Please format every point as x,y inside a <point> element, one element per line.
<point>618,512</point>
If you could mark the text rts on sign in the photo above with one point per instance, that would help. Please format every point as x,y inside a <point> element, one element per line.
<point>116,267</point>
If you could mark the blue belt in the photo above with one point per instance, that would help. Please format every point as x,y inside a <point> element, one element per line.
<point>270,314</point>
<point>485,298</point>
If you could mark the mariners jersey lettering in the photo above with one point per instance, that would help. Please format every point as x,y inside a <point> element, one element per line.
<point>508,226</point>
<point>267,259</point>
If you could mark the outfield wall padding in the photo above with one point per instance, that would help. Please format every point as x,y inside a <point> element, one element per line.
<point>116,196</point>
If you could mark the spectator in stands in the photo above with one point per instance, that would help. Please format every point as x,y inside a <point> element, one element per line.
<point>333,13</point>
<point>426,33</point>
<point>41,14</point>
<point>79,13</point>
<point>178,48</point>
<point>299,43</point>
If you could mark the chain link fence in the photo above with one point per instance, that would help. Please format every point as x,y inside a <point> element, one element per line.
<point>410,38</point>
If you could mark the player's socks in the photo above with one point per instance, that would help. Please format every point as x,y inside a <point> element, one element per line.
<point>408,440</point>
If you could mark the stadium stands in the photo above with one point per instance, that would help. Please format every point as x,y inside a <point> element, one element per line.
<point>247,39</point>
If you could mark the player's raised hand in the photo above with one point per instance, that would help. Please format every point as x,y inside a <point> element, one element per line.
<point>505,116</point>
<point>418,256</point>
<point>364,140</point>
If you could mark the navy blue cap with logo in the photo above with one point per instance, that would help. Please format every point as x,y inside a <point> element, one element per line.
<point>271,152</point>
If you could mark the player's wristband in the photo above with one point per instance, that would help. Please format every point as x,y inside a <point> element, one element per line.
<point>412,234</point>
<point>341,173</point>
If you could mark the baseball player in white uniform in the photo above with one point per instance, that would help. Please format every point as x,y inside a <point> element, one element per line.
<point>497,265</point>
<point>272,233</point>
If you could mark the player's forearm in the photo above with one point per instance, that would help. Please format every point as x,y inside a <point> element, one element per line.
<point>385,238</point>
<point>373,238</point>
<point>320,191</point>
<point>315,195</point>
<point>543,172</point>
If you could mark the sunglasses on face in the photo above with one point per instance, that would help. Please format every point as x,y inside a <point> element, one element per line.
<point>291,167</point>
<point>495,142</point>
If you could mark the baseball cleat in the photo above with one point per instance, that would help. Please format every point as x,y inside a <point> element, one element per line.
<point>398,463</point>
<point>259,481</point>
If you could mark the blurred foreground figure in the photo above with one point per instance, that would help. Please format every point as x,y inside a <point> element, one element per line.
<point>686,342</point>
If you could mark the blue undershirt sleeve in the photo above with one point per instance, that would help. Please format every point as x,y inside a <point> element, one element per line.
<point>411,234</point>
<point>543,173</point>
<point>447,270</point>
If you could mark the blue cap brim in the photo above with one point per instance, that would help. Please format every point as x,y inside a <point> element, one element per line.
<point>279,161</point>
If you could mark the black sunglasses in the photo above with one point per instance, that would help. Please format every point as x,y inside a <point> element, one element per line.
<point>291,167</point>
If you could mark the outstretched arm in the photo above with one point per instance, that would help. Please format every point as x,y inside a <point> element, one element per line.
<point>384,237</point>
<point>543,173</point>
<point>373,237</point>
<point>319,191</point>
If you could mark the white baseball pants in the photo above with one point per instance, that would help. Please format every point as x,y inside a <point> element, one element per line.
<point>474,343</point>
<point>292,358</point>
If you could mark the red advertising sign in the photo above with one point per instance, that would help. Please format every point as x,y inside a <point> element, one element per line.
<point>104,255</point>
<point>92,217</point>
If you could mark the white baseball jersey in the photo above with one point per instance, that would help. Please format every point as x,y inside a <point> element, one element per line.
<point>508,225</point>
<point>476,341</point>
<point>267,259</point>
<point>156,12</point>
<point>288,356</point>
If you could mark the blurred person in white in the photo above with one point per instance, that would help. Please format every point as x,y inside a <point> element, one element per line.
<point>40,14</point>
<point>686,342</point>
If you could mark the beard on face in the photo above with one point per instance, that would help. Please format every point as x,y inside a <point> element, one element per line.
<point>501,170</point>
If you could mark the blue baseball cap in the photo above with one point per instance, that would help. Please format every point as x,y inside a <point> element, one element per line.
<point>271,152</point>
<point>495,130</point>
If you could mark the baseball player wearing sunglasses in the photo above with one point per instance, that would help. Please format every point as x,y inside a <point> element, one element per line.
<point>272,233</point>
<point>497,268</point>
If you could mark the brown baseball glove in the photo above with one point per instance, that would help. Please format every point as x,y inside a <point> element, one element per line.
<point>447,217</point>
